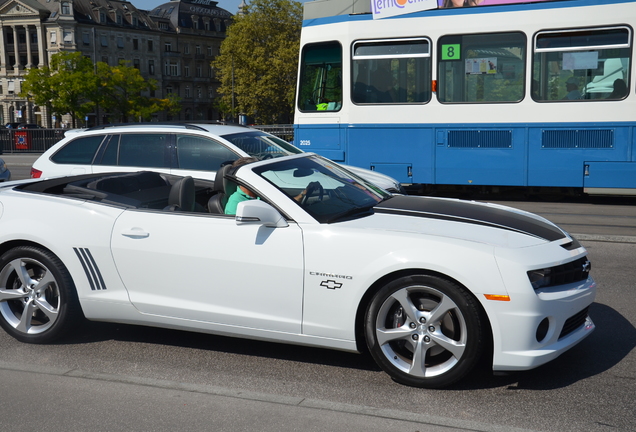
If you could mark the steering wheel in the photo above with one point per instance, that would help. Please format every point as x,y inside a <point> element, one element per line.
<point>313,188</point>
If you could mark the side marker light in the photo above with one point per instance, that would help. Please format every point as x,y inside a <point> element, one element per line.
<point>497,297</point>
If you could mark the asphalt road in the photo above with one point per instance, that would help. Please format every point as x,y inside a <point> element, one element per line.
<point>110,377</point>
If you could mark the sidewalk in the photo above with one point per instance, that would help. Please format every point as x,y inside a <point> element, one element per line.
<point>83,400</point>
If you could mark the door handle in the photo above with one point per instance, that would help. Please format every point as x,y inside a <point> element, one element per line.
<point>135,233</point>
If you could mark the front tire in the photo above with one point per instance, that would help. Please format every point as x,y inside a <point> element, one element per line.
<point>38,301</point>
<point>424,331</point>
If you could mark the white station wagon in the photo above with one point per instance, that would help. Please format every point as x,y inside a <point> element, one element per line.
<point>196,149</point>
<point>428,286</point>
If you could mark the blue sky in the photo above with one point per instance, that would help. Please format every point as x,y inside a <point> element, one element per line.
<point>229,5</point>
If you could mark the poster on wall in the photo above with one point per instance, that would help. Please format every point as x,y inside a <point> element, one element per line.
<point>389,8</point>
<point>468,3</point>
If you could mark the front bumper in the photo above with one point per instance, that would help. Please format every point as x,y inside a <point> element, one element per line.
<point>536,326</point>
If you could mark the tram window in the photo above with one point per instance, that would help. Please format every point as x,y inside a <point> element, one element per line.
<point>391,71</point>
<point>481,68</point>
<point>320,86</point>
<point>581,65</point>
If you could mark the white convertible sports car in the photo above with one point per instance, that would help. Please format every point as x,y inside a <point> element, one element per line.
<point>428,286</point>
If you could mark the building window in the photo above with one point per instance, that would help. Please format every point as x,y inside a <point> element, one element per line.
<point>119,19</point>
<point>187,92</point>
<point>53,38</point>
<point>102,17</point>
<point>136,64</point>
<point>68,37</point>
<point>172,68</point>
<point>167,47</point>
<point>135,21</point>
<point>151,45</point>
<point>199,72</point>
<point>34,38</point>
<point>168,90</point>
<point>186,48</point>
<point>186,70</point>
<point>209,50</point>
<point>66,8</point>
<point>206,25</point>
<point>86,38</point>
<point>197,49</point>
<point>104,40</point>
<point>135,44</point>
<point>151,67</point>
<point>120,42</point>
<point>199,92</point>
<point>105,59</point>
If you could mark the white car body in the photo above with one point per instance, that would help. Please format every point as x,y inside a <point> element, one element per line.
<point>274,272</point>
<point>46,167</point>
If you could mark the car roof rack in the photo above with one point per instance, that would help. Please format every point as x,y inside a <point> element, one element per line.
<point>182,123</point>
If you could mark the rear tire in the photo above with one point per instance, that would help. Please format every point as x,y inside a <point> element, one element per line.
<point>424,331</point>
<point>38,300</point>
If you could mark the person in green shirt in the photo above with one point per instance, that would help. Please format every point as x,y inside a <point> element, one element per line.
<point>242,193</point>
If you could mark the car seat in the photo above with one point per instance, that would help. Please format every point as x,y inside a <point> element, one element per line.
<point>223,188</point>
<point>182,195</point>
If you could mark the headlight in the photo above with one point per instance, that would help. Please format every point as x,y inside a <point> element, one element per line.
<point>540,278</point>
<point>572,272</point>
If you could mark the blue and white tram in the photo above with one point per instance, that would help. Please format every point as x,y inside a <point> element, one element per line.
<point>524,95</point>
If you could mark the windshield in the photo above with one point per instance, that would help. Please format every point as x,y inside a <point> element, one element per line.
<point>261,145</point>
<point>328,192</point>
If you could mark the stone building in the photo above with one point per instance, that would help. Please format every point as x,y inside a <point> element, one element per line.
<point>172,44</point>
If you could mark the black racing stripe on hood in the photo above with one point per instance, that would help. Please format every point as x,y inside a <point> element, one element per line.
<point>467,212</point>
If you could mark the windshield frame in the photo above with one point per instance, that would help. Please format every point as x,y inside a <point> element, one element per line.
<point>342,194</point>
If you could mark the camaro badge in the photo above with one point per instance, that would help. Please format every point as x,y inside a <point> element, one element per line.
<point>330,284</point>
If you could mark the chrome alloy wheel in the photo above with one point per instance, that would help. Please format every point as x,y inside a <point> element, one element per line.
<point>421,331</point>
<point>425,330</point>
<point>29,296</point>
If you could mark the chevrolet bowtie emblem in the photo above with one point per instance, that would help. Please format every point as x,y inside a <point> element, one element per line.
<point>330,284</point>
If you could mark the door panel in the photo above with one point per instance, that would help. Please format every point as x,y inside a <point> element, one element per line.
<point>207,268</point>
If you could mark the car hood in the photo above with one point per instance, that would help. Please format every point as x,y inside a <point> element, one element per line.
<point>466,220</point>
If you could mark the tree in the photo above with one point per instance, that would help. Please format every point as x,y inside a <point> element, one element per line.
<point>73,84</point>
<point>65,87</point>
<point>121,93</point>
<point>259,61</point>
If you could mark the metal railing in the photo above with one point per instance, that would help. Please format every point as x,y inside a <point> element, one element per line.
<point>29,140</point>
<point>285,131</point>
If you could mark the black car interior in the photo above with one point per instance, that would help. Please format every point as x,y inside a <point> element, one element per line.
<point>143,190</point>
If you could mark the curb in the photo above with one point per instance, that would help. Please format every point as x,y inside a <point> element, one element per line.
<point>605,238</point>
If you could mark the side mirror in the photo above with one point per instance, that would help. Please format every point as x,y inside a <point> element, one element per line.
<point>256,212</point>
